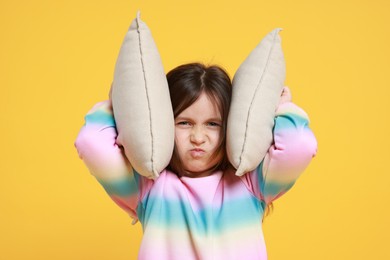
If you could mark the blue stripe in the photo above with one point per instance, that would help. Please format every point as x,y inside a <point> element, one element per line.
<point>238,213</point>
<point>178,214</point>
<point>269,188</point>
<point>125,186</point>
<point>275,188</point>
<point>290,120</point>
<point>101,118</point>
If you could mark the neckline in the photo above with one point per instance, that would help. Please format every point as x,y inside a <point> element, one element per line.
<point>214,175</point>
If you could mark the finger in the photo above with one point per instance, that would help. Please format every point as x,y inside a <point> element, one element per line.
<point>287,92</point>
<point>110,93</point>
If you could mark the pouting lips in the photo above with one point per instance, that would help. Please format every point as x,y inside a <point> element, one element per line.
<point>197,152</point>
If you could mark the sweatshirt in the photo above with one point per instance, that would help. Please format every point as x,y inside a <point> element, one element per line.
<point>215,217</point>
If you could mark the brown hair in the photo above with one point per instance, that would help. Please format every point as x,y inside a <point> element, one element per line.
<point>186,83</point>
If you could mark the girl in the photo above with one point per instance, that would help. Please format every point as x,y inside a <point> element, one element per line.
<point>198,208</point>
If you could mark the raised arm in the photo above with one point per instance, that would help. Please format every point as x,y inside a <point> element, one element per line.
<point>294,147</point>
<point>291,152</point>
<point>96,146</point>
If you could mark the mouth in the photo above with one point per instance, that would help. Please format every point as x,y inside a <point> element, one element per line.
<point>197,152</point>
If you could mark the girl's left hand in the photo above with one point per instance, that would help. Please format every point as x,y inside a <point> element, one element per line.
<point>285,96</point>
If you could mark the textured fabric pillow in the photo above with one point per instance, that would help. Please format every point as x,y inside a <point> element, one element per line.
<point>141,103</point>
<point>257,86</point>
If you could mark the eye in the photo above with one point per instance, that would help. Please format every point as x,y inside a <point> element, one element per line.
<point>184,123</point>
<point>214,124</point>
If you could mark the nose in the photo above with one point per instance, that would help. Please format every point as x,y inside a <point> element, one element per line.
<point>197,135</point>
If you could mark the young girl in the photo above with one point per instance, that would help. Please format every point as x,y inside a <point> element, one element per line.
<point>198,208</point>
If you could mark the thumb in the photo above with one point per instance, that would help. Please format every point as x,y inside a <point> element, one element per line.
<point>110,93</point>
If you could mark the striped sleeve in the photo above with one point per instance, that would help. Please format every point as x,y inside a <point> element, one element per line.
<point>97,147</point>
<point>291,152</point>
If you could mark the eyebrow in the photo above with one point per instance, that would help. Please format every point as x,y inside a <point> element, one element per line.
<point>215,119</point>
<point>189,119</point>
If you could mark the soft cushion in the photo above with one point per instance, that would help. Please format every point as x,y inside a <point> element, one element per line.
<point>141,102</point>
<point>257,86</point>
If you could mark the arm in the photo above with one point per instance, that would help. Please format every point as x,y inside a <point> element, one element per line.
<point>291,152</point>
<point>96,146</point>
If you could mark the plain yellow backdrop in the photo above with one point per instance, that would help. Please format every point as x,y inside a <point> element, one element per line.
<point>57,59</point>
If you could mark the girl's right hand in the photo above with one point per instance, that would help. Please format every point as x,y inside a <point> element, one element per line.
<point>110,93</point>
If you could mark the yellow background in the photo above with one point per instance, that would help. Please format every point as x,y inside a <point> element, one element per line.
<point>57,59</point>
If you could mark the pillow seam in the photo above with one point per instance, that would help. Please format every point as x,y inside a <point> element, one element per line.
<point>147,94</point>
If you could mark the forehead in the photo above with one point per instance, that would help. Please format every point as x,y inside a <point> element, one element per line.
<point>204,106</point>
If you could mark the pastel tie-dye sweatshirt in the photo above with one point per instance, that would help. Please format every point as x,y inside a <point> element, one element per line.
<point>214,217</point>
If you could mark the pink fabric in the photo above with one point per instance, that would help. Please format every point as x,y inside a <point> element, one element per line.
<point>213,217</point>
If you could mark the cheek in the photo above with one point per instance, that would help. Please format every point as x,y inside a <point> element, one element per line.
<point>180,138</point>
<point>215,138</point>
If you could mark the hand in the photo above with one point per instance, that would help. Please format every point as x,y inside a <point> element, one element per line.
<point>285,96</point>
<point>110,93</point>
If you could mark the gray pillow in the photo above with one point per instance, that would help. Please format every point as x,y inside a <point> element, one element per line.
<point>257,86</point>
<point>141,102</point>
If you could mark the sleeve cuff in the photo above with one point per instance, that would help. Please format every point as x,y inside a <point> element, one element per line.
<point>291,108</point>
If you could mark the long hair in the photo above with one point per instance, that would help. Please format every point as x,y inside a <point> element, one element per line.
<point>186,83</point>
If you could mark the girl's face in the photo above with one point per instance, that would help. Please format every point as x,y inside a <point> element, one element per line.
<point>197,136</point>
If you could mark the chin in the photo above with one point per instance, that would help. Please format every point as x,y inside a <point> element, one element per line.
<point>203,170</point>
<point>196,170</point>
